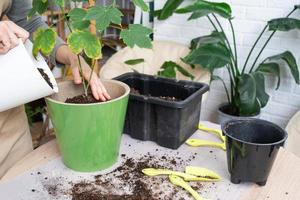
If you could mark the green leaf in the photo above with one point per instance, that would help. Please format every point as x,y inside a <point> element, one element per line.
<point>261,94</point>
<point>247,102</point>
<point>38,6</point>
<point>104,16</point>
<point>134,61</point>
<point>214,37</point>
<point>76,18</point>
<point>283,24</point>
<point>168,9</point>
<point>138,35</point>
<point>141,4</point>
<point>290,60</point>
<point>297,6</point>
<point>169,67</point>
<point>85,41</point>
<point>60,3</point>
<point>202,8</point>
<point>44,41</point>
<point>209,56</point>
<point>271,68</point>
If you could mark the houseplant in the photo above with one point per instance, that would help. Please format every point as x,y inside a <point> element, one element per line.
<point>88,134</point>
<point>247,93</point>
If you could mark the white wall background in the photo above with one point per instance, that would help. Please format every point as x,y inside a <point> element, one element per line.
<point>250,17</point>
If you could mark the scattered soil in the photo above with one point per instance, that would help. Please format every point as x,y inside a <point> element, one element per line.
<point>167,98</point>
<point>82,99</point>
<point>45,76</point>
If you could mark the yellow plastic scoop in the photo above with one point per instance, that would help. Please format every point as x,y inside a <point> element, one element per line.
<point>214,131</point>
<point>157,172</point>
<point>202,174</point>
<point>178,181</point>
<point>205,143</point>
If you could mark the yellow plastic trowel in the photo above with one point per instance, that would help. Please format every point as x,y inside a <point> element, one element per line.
<point>204,143</point>
<point>202,174</point>
<point>158,172</point>
<point>214,131</point>
<point>178,181</point>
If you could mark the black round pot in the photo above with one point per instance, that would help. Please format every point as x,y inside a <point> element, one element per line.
<point>252,146</point>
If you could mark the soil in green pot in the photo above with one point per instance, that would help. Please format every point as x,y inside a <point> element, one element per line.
<point>83,99</point>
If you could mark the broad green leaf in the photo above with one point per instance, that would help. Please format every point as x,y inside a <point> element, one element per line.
<point>290,60</point>
<point>272,68</point>
<point>284,24</point>
<point>169,70</point>
<point>76,18</point>
<point>85,41</point>
<point>141,4</point>
<point>138,35</point>
<point>209,56</point>
<point>157,13</point>
<point>214,37</point>
<point>261,94</point>
<point>297,6</point>
<point>104,16</point>
<point>60,3</point>
<point>202,8</point>
<point>168,9</point>
<point>134,61</point>
<point>44,41</point>
<point>38,6</point>
<point>246,88</point>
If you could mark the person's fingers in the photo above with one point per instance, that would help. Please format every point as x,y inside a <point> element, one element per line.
<point>76,75</point>
<point>94,90</point>
<point>13,39</point>
<point>5,42</point>
<point>20,32</point>
<point>103,89</point>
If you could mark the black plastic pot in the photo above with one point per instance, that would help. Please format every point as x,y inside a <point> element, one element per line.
<point>252,146</point>
<point>168,123</point>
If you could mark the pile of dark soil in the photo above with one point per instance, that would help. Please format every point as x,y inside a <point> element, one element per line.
<point>46,77</point>
<point>167,98</point>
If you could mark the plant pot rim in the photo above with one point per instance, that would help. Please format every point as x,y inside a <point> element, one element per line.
<point>125,86</point>
<point>235,116</point>
<point>261,121</point>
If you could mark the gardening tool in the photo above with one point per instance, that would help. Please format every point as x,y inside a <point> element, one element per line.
<point>157,172</point>
<point>202,174</point>
<point>204,143</point>
<point>178,181</point>
<point>214,131</point>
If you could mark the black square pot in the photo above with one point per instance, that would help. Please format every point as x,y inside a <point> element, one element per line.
<point>252,146</point>
<point>168,123</point>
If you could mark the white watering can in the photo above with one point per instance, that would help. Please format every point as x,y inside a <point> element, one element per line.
<point>20,80</point>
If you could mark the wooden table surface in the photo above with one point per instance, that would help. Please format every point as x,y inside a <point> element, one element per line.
<point>283,182</point>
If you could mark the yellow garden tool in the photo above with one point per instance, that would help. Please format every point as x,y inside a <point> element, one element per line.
<point>214,131</point>
<point>204,143</point>
<point>157,172</point>
<point>202,174</point>
<point>178,181</point>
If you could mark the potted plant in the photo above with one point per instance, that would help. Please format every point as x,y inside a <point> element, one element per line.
<point>246,94</point>
<point>88,134</point>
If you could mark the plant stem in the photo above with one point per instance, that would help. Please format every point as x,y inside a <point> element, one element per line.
<point>226,89</point>
<point>82,77</point>
<point>212,23</point>
<point>255,43</point>
<point>234,42</point>
<point>92,68</point>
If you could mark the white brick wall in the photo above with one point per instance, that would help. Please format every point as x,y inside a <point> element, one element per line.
<point>250,18</point>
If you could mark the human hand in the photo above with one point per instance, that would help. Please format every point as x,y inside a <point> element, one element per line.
<point>9,36</point>
<point>97,88</point>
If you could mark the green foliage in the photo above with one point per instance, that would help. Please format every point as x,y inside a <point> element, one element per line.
<point>104,16</point>
<point>168,69</point>
<point>261,94</point>
<point>270,68</point>
<point>60,3</point>
<point>168,9</point>
<point>85,41</point>
<point>44,41</point>
<point>77,16</point>
<point>283,24</point>
<point>134,61</point>
<point>141,4</point>
<point>214,37</point>
<point>138,35</point>
<point>38,6</point>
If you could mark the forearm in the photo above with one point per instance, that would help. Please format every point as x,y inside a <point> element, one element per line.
<point>65,56</point>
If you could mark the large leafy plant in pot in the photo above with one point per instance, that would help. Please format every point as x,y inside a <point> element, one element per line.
<point>247,93</point>
<point>88,134</point>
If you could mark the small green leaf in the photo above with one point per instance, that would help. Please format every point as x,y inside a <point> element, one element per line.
<point>38,6</point>
<point>168,9</point>
<point>214,37</point>
<point>60,3</point>
<point>141,4</point>
<point>283,24</point>
<point>76,18</point>
<point>271,68</point>
<point>202,8</point>
<point>209,56</point>
<point>261,94</point>
<point>138,35</point>
<point>134,61</point>
<point>104,16</point>
<point>44,41</point>
<point>184,72</point>
<point>85,41</point>
<point>169,70</point>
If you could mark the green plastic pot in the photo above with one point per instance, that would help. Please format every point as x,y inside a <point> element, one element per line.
<point>89,135</point>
